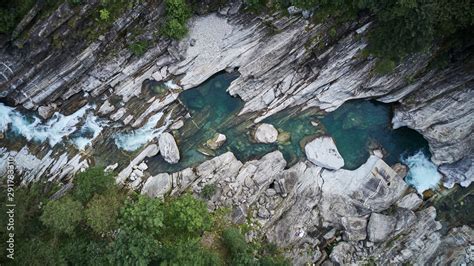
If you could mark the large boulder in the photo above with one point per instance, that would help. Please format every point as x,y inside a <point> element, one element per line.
<point>380,227</point>
<point>323,152</point>
<point>157,186</point>
<point>266,133</point>
<point>168,148</point>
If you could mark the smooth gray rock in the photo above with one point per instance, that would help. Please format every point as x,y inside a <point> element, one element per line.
<point>157,186</point>
<point>168,148</point>
<point>380,227</point>
<point>266,133</point>
<point>410,201</point>
<point>323,152</point>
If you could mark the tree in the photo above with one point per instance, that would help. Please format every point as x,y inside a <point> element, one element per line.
<point>145,215</point>
<point>62,215</point>
<point>103,211</point>
<point>134,248</point>
<point>90,182</point>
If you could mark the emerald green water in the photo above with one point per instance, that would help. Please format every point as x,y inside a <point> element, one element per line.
<point>360,125</point>
<point>355,126</point>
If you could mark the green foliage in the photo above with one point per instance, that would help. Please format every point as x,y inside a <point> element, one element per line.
<point>133,248</point>
<point>7,21</point>
<point>34,251</point>
<point>188,215</point>
<point>104,14</point>
<point>138,48</point>
<point>240,252</point>
<point>188,252</point>
<point>384,66</point>
<point>144,215</point>
<point>177,14</point>
<point>208,191</point>
<point>62,215</point>
<point>93,181</point>
<point>103,211</point>
<point>255,5</point>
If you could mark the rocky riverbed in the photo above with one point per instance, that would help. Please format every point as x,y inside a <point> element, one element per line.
<point>82,103</point>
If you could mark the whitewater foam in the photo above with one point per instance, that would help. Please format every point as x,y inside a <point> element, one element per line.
<point>91,129</point>
<point>53,131</point>
<point>131,141</point>
<point>422,173</point>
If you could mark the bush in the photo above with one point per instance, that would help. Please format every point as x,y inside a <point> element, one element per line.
<point>138,48</point>
<point>104,14</point>
<point>92,181</point>
<point>384,66</point>
<point>177,14</point>
<point>62,215</point>
<point>187,215</point>
<point>208,191</point>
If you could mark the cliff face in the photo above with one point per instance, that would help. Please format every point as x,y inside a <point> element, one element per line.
<point>283,62</point>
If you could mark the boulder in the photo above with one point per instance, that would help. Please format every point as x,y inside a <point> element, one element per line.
<point>157,186</point>
<point>355,228</point>
<point>323,152</point>
<point>168,148</point>
<point>410,201</point>
<point>46,111</point>
<point>266,133</point>
<point>217,141</point>
<point>380,227</point>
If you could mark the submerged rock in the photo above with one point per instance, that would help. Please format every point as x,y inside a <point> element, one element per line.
<point>168,148</point>
<point>217,141</point>
<point>266,133</point>
<point>323,152</point>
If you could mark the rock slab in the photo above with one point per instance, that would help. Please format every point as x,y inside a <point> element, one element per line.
<point>323,152</point>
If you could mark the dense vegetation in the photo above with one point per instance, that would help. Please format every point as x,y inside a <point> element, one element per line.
<point>401,27</point>
<point>96,223</point>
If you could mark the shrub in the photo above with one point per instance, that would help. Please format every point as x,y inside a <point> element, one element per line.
<point>138,48</point>
<point>62,215</point>
<point>104,14</point>
<point>208,191</point>
<point>384,66</point>
<point>187,215</point>
<point>177,14</point>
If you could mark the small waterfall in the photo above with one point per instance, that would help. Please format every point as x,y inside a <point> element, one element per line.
<point>422,173</point>
<point>131,141</point>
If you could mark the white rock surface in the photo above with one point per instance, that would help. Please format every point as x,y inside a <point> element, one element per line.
<point>323,152</point>
<point>168,148</point>
<point>266,133</point>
